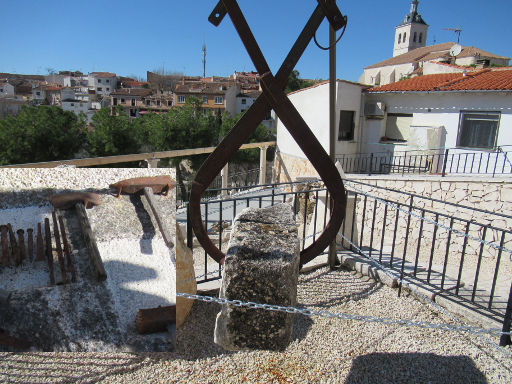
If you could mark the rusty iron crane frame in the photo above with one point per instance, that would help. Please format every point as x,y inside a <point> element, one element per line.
<point>273,97</point>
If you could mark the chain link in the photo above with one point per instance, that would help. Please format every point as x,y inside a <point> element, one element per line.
<point>344,316</point>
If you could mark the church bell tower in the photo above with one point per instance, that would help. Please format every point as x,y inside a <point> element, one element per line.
<point>411,33</point>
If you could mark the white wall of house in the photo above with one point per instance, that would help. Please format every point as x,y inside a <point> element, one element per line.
<point>432,67</point>
<point>385,75</point>
<point>313,106</point>
<point>6,90</point>
<point>103,85</point>
<point>240,105</point>
<point>230,99</point>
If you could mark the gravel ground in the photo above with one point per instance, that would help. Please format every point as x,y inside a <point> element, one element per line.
<point>323,350</point>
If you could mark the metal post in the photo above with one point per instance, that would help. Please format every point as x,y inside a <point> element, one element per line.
<point>506,339</point>
<point>263,165</point>
<point>445,160</point>
<point>224,174</point>
<point>371,163</point>
<point>332,121</point>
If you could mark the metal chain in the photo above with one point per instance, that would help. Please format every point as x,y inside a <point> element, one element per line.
<point>344,316</point>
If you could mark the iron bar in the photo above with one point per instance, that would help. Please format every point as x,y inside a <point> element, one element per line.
<point>362,222</point>
<point>15,252</point>
<point>496,269</point>
<point>404,255</point>
<point>373,227</point>
<point>49,254</point>
<point>397,213</point>
<point>445,264</point>
<point>418,248</point>
<point>30,244</point>
<point>306,198</point>
<point>477,273</point>
<point>461,264</point>
<point>5,246</point>
<point>67,252</point>
<point>507,321</point>
<point>58,245</point>
<point>40,246</point>
<point>383,231</point>
<point>432,249</point>
<point>21,245</point>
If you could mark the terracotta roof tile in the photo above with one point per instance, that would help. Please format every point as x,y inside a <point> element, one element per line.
<point>102,74</point>
<point>485,79</point>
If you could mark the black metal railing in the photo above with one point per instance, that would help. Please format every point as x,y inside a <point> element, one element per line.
<point>449,161</point>
<point>438,244</point>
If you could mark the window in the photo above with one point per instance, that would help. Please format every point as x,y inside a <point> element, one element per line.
<point>205,99</point>
<point>99,89</point>
<point>99,81</point>
<point>399,38</point>
<point>1,89</point>
<point>38,93</point>
<point>133,102</point>
<point>415,36</point>
<point>398,126</point>
<point>158,103</point>
<point>478,130</point>
<point>421,37</point>
<point>181,99</point>
<point>169,103</point>
<point>108,89</point>
<point>72,104</point>
<point>218,99</point>
<point>108,81</point>
<point>148,103</point>
<point>244,101</point>
<point>405,35</point>
<point>114,100</point>
<point>346,128</point>
<point>122,101</point>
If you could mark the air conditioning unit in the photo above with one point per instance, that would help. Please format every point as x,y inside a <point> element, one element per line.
<point>375,110</point>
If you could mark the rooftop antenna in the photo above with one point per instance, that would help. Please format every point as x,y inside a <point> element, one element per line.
<point>204,60</point>
<point>457,32</point>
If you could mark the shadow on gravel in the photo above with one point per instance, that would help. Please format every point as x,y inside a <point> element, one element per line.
<point>414,368</point>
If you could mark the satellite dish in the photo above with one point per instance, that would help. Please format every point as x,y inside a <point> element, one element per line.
<point>455,50</point>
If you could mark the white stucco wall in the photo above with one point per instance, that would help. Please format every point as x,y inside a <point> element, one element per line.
<point>6,90</point>
<point>313,106</point>
<point>385,75</point>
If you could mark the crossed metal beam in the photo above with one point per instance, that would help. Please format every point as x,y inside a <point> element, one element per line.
<point>273,97</point>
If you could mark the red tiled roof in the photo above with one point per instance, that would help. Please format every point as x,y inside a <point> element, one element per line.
<point>103,74</point>
<point>482,80</point>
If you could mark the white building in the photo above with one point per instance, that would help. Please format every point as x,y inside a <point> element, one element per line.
<point>411,57</point>
<point>6,90</point>
<point>313,105</point>
<point>103,83</point>
<point>244,100</point>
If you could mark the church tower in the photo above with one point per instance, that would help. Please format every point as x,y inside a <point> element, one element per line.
<point>411,33</point>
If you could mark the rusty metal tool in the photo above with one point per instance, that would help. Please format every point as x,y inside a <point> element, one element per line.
<point>155,319</point>
<point>60,256</point>
<point>67,252</point>
<point>30,244</point>
<point>68,200</point>
<point>21,244</point>
<point>15,252</point>
<point>5,246</point>
<point>159,184</point>
<point>48,249</point>
<point>40,247</point>
<point>162,226</point>
<point>14,342</point>
<point>273,97</point>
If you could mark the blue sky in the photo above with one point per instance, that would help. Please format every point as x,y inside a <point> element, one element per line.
<point>129,37</point>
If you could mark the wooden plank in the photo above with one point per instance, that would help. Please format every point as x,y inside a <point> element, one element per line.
<point>90,241</point>
<point>130,158</point>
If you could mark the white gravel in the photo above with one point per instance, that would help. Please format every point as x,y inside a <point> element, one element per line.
<point>322,351</point>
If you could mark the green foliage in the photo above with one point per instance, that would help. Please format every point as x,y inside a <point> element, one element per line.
<point>40,134</point>
<point>261,134</point>
<point>295,83</point>
<point>111,134</point>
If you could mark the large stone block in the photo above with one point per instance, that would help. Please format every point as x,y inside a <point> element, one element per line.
<point>262,266</point>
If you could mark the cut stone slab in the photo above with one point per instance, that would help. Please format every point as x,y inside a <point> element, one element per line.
<point>261,266</point>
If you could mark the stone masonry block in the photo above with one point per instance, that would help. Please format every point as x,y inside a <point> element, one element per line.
<point>262,266</point>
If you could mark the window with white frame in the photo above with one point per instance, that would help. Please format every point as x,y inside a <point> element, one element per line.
<point>398,126</point>
<point>181,99</point>
<point>244,101</point>
<point>205,99</point>
<point>478,129</point>
<point>133,102</point>
<point>219,99</point>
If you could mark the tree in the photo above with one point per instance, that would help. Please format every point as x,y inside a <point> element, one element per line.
<point>112,134</point>
<point>261,134</point>
<point>38,134</point>
<point>295,83</point>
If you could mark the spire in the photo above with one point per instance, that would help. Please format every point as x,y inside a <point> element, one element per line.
<point>413,16</point>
